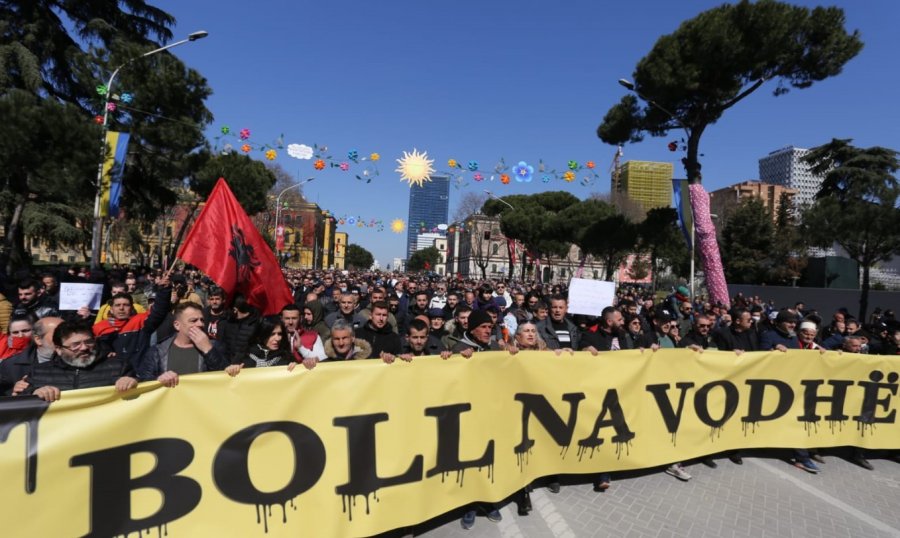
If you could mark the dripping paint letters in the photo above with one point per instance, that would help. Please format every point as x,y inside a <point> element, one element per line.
<point>361,447</point>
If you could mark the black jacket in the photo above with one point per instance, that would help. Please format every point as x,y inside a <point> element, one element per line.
<point>433,346</point>
<point>693,338</point>
<point>56,373</point>
<point>602,340</point>
<point>384,339</point>
<point>727,339</point>
<point>235,335</point>
<point>15,367</point>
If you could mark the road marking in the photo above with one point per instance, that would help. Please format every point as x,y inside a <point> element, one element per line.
<point>837,503</point>
<point>554,520</point>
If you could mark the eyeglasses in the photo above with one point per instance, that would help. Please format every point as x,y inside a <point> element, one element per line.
<point>704,326</point>
<point>74,346</point>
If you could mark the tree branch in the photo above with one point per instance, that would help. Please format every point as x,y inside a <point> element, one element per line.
<point>743,94</point>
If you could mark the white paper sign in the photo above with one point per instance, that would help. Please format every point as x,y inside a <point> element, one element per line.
<point>590,297</point>
<point>73,296</point>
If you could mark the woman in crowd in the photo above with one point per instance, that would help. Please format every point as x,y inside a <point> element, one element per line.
<point>17,337</point>
<point>267,347</point>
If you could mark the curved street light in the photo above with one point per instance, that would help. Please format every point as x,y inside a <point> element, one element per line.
<point>278,208</point>
<point>501,200</point>
<point>98,220</point>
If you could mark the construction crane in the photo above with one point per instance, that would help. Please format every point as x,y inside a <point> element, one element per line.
<point>614,170</point>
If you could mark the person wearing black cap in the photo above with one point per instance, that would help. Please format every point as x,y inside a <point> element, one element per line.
<point>662,321</point>
<point>437,319</point>
<point>782,336</point>
<point>477,338</point>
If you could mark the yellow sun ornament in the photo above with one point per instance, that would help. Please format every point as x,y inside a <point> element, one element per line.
<point>397,226</point>
<point>415,168</point>
<point>569,176</point>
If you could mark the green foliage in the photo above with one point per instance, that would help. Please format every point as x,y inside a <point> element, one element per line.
<point>358,258</point>
<point>610,239</point>
<point>857,205</point>
<point>661,238</point>
<point>419,259</point>
<point>718,58</point>
<point>57,53</point>
<point>747,242</point>
<point>249,180</point>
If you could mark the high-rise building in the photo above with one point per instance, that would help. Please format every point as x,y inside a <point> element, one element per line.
<point>647,183</point>
<point>785,167</point>
<point>429,206</point>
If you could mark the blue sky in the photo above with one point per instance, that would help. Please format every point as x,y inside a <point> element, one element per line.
<point>478,80</point>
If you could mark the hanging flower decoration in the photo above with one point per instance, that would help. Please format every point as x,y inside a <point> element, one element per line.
<point>374,157</point>
<point>504,178</point>
<point>344,166</point>
<point>478,177</point>
<point>472,166</point>
<point>300,151</point>
<point>673,146</point>
<point>452,163</point>
<point>319,164</point>
<point>352,155</point>
<point>569,176</point>
<point>225,129</point>
<point>98,119</point>
<point>415,168</point>
<point>246,148</point>
<point>227,149</point>
<point>244,134</point>
<point>523,172</point>
<point>102,89</point>
<point>126,98</point>
<point>398,226</point>
<point>271,154</point>
<point>546,178</point>
<point>351,221</point>
<point>111,106</point>
<point>573,165</point>
<point>590,164</point>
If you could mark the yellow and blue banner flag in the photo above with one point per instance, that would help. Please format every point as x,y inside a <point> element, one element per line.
<point>113,166</point>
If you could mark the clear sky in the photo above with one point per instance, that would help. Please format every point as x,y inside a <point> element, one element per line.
<point>484,80</point>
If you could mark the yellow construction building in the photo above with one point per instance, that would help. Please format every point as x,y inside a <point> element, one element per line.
<point>647,183</point>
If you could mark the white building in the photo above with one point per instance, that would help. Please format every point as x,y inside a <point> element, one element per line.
<point>785,167</point>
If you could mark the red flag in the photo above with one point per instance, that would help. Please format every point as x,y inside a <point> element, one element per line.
<point>279,238</point>
<point>224,244</point>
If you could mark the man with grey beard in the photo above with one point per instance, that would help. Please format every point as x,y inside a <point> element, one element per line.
<point>79,361</point>
<point>15,370</point>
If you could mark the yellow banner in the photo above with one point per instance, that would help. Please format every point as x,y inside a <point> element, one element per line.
<point>358,448</point>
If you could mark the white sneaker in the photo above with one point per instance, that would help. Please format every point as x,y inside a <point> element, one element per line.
<point>678,472</point>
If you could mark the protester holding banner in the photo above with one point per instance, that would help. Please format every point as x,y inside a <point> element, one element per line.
<point>343,344</point>
<point>188,351</point>
<point>80,361</point>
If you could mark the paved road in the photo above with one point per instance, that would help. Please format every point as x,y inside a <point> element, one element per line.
<point>766,496</point>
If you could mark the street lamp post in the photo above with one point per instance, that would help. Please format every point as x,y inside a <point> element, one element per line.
<point>278,207</point>
<point>501,200</point>
<point>98,220</point>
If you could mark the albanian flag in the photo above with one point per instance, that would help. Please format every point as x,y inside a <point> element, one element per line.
<point>224,244</point>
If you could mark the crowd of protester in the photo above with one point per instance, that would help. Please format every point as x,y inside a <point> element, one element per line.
<point>159,326</point>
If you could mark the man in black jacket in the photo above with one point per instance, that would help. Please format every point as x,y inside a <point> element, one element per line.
<point>14,371</point>
<point>80,362</point>
<point>379,333</point>
<point>740,335</point>
<point>697,338</point>
<point>609,335</point>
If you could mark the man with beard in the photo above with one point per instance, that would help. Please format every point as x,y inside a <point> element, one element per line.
<point>740,335</point>
<point>79,362</point>
<point>420,343</point>
<point>457,327</point>
<point>304,342</point>
<point>31,301</point>
<point>609,336</point>
<point>15,370</point>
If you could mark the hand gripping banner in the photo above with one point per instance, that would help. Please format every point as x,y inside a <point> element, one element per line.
<point>361,447</point>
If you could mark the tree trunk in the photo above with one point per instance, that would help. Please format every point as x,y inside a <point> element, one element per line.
<point>14,253</point>
<point>705,241</point>
<point>864,294</point>
<point>509,253</point>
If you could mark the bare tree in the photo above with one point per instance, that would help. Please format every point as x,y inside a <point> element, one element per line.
<point>469,205</point>
<point>283,180</point>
